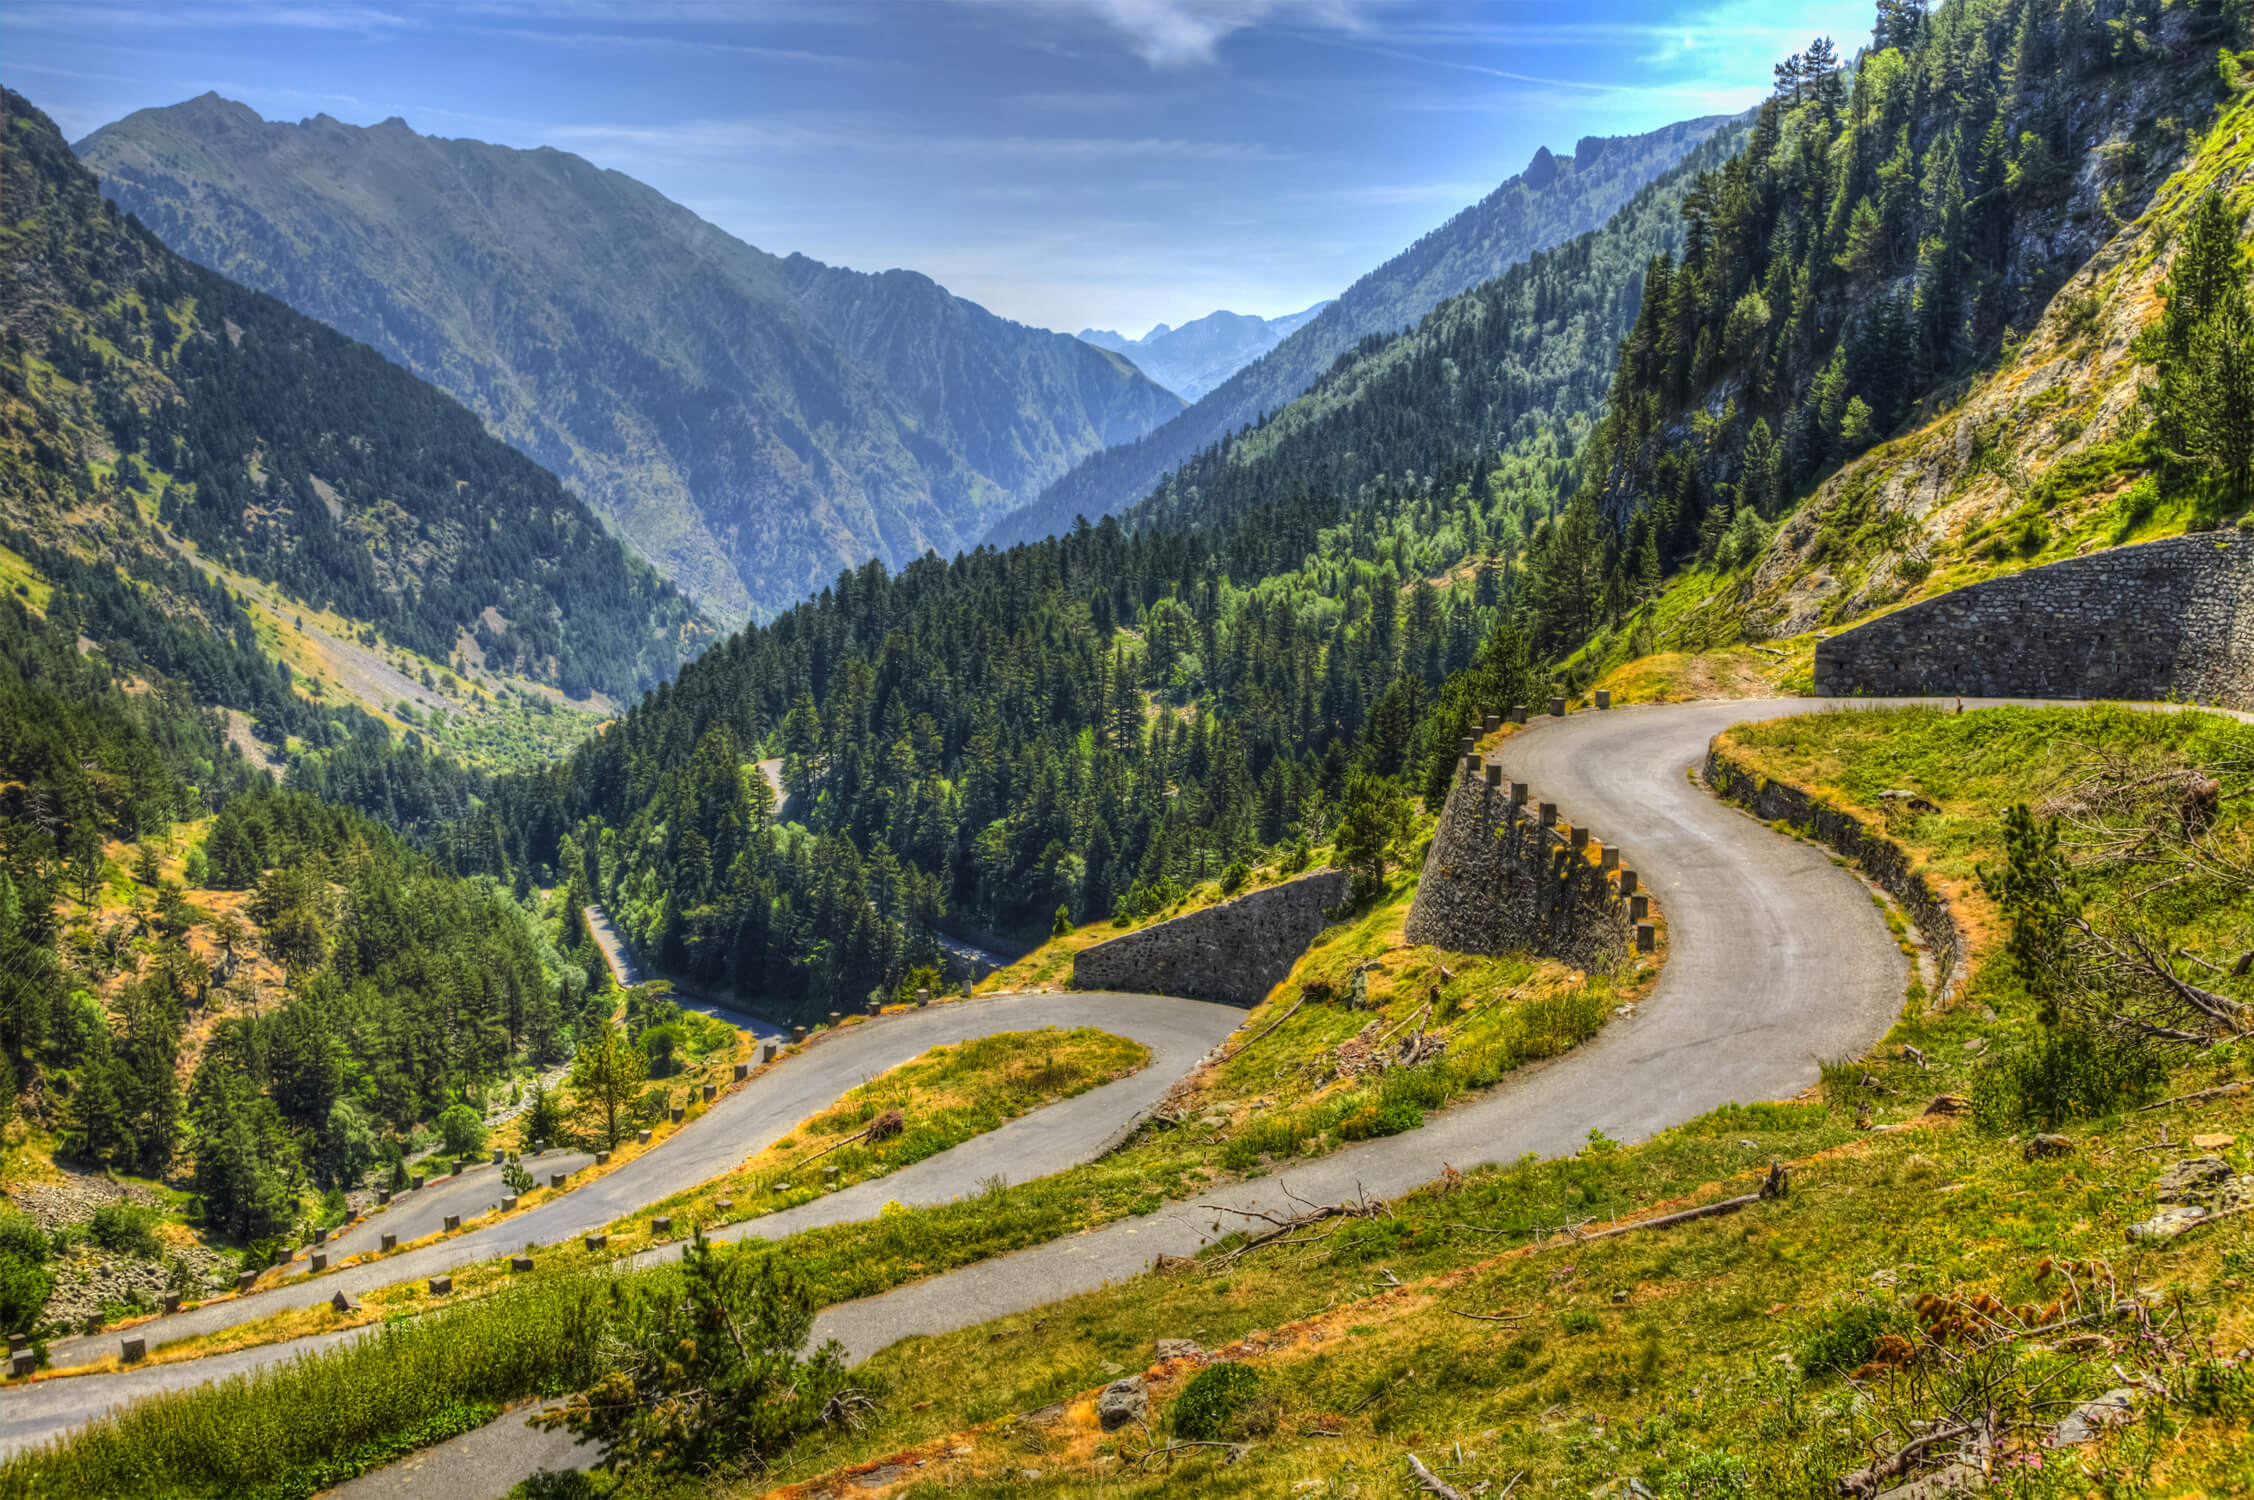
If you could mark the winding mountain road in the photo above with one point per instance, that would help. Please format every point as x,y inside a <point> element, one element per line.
<point>1777,958</point>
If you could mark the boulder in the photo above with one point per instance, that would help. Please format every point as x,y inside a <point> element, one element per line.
<point>2087,1422</point>
<point>1179,1349</point>
<point>2168,1223</point>
<point>2193,1181</point>
<point>1123,1401</point>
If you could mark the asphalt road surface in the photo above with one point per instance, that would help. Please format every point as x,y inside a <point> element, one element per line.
<point>1777,957</point>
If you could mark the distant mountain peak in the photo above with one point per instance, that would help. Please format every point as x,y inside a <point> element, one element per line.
<point>1199,355</point>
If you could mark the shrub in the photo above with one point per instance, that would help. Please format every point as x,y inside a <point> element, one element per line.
<point>665,1044</point>
<point>706,1365</point>
<point>21,1236</point>
<point>127,1226</point>
<point>1581,1320</point>
<point>461,1128</point>
<point>1209,1406</point>
<point>2068,1073</point>
<point>1234,877</point>
<point>24,1285</point>
<point>1845,1339</point>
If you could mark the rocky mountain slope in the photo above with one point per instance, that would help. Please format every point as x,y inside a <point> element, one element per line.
<point>2040,447</point>
<point>1199,355</point>
<point>171,442</point>
<point>750,424</point>
<point>1550,202</point>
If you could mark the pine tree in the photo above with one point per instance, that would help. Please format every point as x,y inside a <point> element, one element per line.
<point>605,1076</point>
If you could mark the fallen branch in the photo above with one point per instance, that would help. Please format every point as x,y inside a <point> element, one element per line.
<point>1173,1448</point>
<point>2223,1092</point>
<point>1491,1317</point>
<point>1287,1228</point>
<point>1774,1187</point>
<point>888,1124</point>
<point>1263,1036</point>
<point>1430,1482</point>
<point>1867,1480</point>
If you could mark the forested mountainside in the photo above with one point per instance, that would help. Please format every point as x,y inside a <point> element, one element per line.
<point>1553,200</point>
<point>1882,236</point>
<point>205,970</point>
<point>1088,723</point>
<point>1199,355</point>
<point>157,420</point>
<point>750,424</point>
<point>2093,424</point>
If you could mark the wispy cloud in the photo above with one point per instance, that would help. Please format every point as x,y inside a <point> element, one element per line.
<point>882,134</point>
<point>1175,33</point>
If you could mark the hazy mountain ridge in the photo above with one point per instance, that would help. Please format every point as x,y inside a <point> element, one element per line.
<point>1555,199</point>
<point>150,408</point>
<point>721,423</point>
<point>1194,358</point>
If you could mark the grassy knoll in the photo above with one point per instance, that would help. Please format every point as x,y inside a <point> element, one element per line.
<point>287,1432</point>
<point>1972,767</point>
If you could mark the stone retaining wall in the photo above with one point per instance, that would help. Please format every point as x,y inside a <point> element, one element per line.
<point>2166,619</point>
<point>1233,953</point>
<point>1497,881</point>
<point>1883,860</point>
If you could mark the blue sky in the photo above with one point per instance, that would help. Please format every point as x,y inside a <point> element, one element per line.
<point>1064,162</point>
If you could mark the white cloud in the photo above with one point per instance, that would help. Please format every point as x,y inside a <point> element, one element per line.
<point>1175,33</point>
<point>808,134</point>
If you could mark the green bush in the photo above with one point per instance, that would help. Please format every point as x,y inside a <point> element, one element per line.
<point>24,1285</point>
<point>21,1236</point>
<point>461,1128</point>
<point>1208,1408</point>
<point>2067,1073</point>
<point>1845,1339</point>
<point>126,1226</point>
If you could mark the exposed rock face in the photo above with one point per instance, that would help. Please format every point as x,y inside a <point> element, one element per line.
<point>1496,881</point>
<point>2167,619</point>
<point>1233,953</point>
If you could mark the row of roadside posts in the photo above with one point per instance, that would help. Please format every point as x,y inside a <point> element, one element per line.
<point>1475,765</point>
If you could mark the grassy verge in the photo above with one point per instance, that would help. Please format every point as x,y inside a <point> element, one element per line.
<point>945,1097</point>
<point>286,1432</point>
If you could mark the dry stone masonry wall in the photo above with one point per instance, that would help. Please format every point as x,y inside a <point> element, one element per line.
<point>1880,858</point>
<point>1233,953</point>
<point>2166,619</point>
<point>1504,876</point>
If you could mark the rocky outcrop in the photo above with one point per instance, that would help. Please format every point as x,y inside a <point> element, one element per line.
<point>1233,953</point>
<point>1504,876</point>
<point>2166,619</point>
<point>1879,857</point>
